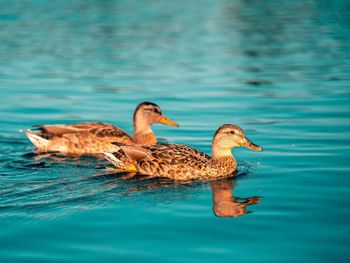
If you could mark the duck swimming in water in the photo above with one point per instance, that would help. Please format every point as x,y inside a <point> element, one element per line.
<point>96,137</point>
<point>181,162</point>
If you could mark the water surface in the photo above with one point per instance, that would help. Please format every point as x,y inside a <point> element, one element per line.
<point>279,69</point>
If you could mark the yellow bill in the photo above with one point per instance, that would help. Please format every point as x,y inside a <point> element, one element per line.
<point>252,146</point>
<point>166,121</point>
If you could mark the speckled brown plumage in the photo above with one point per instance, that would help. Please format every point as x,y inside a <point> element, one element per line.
<point>87,138</point>
<point>181,162</point>
<point>96,137</point>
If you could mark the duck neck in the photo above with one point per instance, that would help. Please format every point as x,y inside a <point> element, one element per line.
<point>224,161</point>
<point>220,153</point>
<point>143,133</point>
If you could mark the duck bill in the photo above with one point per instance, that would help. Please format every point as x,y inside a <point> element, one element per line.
<point>166,121</point>
<point>252,146</point>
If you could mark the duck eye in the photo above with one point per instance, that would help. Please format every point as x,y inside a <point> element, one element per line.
<point>232,132</point>
<point>156,110</point>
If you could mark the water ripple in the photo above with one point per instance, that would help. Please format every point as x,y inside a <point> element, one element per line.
<point>278,69</point>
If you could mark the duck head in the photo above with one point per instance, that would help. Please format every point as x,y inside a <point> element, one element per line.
<point>148,113</point>
<point>229,136</point>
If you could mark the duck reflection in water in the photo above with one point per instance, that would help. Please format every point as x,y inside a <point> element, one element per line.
<point>225,204</point>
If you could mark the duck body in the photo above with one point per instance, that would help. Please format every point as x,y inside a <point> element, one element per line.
<point>97,137</point>
<point>80,138</point>
<point>181,162</point>
<point>174,161</point>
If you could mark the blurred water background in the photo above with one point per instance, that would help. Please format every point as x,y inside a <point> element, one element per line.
<point>279,69</point>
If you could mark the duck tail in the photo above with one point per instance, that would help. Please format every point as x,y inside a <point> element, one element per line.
<point>119,161</point>
<point>38,141</point>
<point>113,159</point>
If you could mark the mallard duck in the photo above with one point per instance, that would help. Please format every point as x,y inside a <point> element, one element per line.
<point>181,162</point>
<point>96,137</point>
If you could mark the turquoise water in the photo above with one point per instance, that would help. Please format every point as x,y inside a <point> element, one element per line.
<point>279,69</point>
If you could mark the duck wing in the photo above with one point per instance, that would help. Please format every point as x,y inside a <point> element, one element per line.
<point>170,154</point>
<point>174,161</point>
<point>177,153</point>
<point>98,129</point>
<point>136,153</point>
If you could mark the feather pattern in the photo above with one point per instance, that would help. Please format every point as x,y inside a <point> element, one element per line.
<point>88,137</point>
<point>175,161</point>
